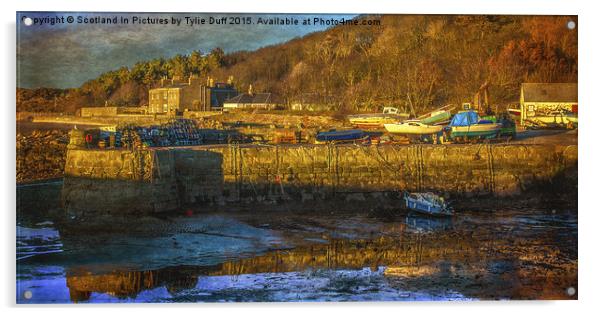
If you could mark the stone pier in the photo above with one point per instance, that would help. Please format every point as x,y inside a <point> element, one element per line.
<point>119,181</point>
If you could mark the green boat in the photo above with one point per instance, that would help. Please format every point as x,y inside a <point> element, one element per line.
<point>508,128</point>
<point>467,124</point>
<point>439,116</point>
<point>435,117</point>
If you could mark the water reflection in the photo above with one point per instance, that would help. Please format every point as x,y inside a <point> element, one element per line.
<point>221,258</point>
<point>39,240</point>
<point>382,256</point>
<point>126,284</point>
<point>420,223</point>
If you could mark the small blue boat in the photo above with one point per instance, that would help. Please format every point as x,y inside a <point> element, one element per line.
<point>427,203</point>
<point>340,136</point>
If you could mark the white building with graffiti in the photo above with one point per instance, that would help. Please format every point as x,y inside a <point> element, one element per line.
<point>548,105</point>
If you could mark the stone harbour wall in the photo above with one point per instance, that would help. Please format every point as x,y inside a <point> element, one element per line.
<point>157,180</point>
<point>114,182</point>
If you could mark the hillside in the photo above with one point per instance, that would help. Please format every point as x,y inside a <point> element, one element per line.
<point>418,61</point>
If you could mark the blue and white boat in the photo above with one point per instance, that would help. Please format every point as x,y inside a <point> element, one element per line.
<point>468,125</point>
<point>427,203</point>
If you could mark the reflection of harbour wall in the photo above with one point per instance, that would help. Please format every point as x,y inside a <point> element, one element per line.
<point>463,262</point>
<point>165,179</point>
<point>30,195</point>
<point>401,256</point>
<point>129,284</point>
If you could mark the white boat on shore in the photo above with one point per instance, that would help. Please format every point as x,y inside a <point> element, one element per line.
<point>413,127</point>
<point>427,203</point>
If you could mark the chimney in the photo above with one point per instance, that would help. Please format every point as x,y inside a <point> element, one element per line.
<point>230,80</point>
<point>250,89</point>
<point>193,80</point>
<point>176,80</point>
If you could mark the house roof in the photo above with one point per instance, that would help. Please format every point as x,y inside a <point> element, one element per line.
<point>246,98</point>
<point>549,92</point>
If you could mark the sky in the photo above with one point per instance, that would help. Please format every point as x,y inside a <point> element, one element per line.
<point>65,55</point>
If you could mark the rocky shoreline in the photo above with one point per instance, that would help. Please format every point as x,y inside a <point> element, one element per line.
<point>41,155</point>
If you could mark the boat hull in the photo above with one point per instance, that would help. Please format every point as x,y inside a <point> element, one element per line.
<point>374,120</point>
<point>426,208</point>
<point>371,124</point>
<point>476,130</point>
<point>413,130</point>
<point>337,136</point>
<point>437,118</point>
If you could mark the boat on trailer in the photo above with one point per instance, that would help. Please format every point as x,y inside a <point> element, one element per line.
<point>427,203</point>
<point>413,127</point>
<point>468,125</point>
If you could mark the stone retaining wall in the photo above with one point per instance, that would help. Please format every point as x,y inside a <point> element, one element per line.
<point>155,180</point>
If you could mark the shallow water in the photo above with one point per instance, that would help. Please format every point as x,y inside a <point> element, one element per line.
<point>279,256</point>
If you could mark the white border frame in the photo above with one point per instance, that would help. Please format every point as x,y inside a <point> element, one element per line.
<point>589,219</point>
